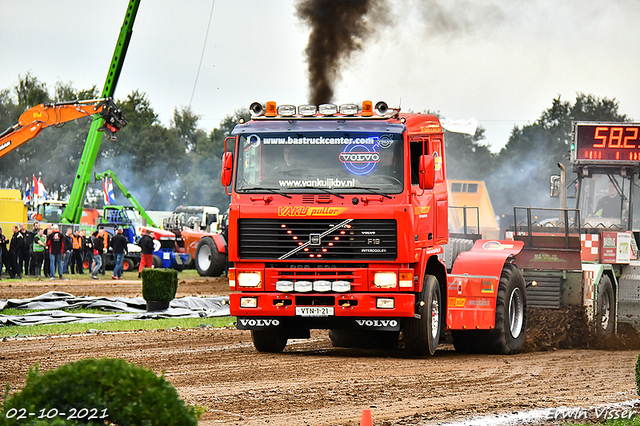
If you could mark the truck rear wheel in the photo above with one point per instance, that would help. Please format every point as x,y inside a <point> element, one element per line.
<point>605,315</point>
<point>157,262</point>
<point>209,261</point>
<point>273,341</point>
<point>508,335</point>
<point>423,335</point>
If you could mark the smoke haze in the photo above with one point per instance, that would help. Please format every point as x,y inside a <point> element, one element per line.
<point>338,29</point>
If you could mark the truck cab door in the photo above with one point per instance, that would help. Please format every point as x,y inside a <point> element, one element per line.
<point>430,206</point>
<point>436,148</point>
<point>423,201</point>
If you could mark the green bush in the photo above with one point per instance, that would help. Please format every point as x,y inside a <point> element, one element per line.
<point>159,284</point>
<point>126,393</point>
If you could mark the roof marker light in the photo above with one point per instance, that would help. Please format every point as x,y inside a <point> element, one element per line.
<point>349,109</point>
<point>286,110</point>
<point>367,109</point>
<point>328,109</point>
<point>271,110</point>
<point>307,110</point>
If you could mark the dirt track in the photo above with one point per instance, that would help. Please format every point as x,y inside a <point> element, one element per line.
<point>316,384</point>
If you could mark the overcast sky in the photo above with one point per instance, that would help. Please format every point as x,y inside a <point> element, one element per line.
<point>500,61</point>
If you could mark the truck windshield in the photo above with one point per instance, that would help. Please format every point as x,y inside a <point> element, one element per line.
<point>312,162</point>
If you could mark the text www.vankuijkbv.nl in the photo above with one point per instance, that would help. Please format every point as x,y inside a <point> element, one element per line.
<point>318,183</point>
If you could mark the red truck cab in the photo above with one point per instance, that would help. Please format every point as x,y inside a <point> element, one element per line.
<point>336,220</point>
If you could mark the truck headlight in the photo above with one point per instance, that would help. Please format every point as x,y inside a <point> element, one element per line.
<point>248,302</point>
<point>249,279</point>
<point>385,280</point>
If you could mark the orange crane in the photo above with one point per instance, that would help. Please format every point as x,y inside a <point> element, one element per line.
<point>33,120</point>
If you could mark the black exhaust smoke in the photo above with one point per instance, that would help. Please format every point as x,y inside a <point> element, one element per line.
<point>338,28</point>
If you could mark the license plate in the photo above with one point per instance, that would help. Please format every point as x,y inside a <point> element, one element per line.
<point>314,311</point>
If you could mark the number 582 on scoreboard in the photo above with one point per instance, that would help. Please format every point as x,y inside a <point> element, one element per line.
<point>593,141</point>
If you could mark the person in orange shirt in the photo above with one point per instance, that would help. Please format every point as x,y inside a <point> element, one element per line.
<point>146,244</point>
<point>76,256</point>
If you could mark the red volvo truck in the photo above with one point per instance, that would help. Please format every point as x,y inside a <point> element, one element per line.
<point>337,219</point>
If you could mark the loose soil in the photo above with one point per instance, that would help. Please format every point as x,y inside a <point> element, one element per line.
<point>312,383</point>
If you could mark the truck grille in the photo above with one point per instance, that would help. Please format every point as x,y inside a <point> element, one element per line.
<point>302,239</point>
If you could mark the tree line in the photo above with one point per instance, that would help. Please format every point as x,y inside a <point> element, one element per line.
<point>166,166</point>
<point>162,166</point>
<point>518,175</point>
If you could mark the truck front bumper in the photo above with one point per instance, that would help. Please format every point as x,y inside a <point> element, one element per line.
<point>380,311</point>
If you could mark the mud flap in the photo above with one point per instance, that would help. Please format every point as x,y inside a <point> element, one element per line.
<point>378,324</point>
<point>258,323</point>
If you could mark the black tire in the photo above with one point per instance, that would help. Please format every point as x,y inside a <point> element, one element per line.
<point>127,265</point>
<point>344,338</point>
<point>157,262</point>
<point>272,341</point>
<point>208,260</point>
<point>466,341</point>
<point>511,316</point>
<point>606,303</point>
<point>364,339</point>
<point>421,336</point>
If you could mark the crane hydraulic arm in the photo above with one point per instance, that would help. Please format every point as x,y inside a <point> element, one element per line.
<point>33,120</point>
<point>127,195</point>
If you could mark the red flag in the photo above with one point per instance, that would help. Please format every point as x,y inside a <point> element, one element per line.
<point>106,191</point>
<point>36,187</point>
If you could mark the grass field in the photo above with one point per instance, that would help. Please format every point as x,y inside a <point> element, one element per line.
<point>78,328</point>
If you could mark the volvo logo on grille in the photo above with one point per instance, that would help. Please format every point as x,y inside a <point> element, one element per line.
<point>314,239</point>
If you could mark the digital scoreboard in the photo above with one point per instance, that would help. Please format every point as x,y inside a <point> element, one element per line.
<point>610,142</point>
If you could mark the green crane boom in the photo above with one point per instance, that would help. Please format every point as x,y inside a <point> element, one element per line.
<point>73,211</point>
<point>127,195</point>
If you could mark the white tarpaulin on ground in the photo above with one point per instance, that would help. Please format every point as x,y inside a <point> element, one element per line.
<point>461,126</point>
<point>133,308</point>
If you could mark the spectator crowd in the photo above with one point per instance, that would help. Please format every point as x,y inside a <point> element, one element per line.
<point>46,252</point>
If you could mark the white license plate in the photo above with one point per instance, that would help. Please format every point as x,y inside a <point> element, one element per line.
<point>314,311</point>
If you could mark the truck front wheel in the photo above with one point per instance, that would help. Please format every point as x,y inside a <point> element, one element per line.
<point>272,341</point>
<point>209,261</point>
<point>422,335</point>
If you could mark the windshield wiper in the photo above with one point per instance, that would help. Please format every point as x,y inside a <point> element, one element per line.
<point>372,190</point>
<point>319,189</point>
<point>262,188</point>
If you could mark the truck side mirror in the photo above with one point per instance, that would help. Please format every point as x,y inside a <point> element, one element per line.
<point>427,172</point>
<point>554,186</point>
<point>227,169</point>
